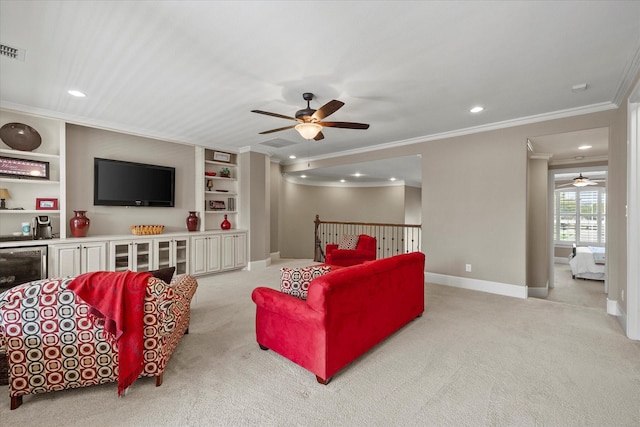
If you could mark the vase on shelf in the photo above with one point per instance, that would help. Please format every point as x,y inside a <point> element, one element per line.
<point>225,223</point>
<point>192,221</point>
<point>79,224</point>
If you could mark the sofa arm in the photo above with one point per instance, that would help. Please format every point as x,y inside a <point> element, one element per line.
<point>284,305</point>
<point>172,300</point>
<point>184,285</point>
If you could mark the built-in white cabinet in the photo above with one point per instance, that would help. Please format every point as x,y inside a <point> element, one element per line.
<point>28,195</point>
<point>74,259</point>
<point>220,190</point>
<point>234,251</point>
<point>171,252</point>
<point>210,250</point>
<point>205,254</point>
<point>134,255</point>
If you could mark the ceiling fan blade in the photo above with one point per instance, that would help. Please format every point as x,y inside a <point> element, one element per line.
<point>277,130</point>
<point>327,109</point>
<point>345,125</point>
<point>266,113</point>
<point>319,136</point>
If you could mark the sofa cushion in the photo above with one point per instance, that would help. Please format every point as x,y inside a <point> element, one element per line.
<point>164,274</point>
<point>349,241</point>
<point>295,281</point>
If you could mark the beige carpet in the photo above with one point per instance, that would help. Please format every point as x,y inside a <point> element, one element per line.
<point>585,293</point>
<point>473,359</point>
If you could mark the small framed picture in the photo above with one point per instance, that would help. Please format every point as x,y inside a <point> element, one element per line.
<point>47,204</point>
<point>219,156</point>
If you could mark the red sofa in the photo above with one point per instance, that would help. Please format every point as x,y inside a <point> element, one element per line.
<point>347,312</point>
<point>365,251</point>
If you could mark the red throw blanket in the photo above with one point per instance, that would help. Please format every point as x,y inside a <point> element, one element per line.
<point>118,298</point>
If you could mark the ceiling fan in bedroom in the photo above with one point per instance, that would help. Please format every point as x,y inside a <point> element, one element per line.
<point>582,181</point>
<point>310,121</point>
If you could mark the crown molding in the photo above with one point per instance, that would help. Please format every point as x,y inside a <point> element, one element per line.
<point>560,114</point>
<point>631,71</point>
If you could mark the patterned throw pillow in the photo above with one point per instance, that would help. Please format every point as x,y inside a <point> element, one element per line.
<point>295,281</point>
<point>349,241</point>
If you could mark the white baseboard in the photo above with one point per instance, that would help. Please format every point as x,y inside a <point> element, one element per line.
<point>505,289</point>
<point>275,255</point>
<point>538,292</point>
<point>613,308</point>
<point>561,260</point>
<point>259,265</point>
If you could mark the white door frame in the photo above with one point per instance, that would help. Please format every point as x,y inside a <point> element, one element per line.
<point>633,214</point>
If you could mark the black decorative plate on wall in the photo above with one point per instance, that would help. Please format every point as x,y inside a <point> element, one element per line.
<point>20,136</point>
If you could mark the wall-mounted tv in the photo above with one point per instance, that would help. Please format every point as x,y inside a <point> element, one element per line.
<point>120,183</point>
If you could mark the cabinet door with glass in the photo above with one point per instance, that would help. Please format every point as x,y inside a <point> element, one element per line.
<point>172,252</point>
<point>134,255</point>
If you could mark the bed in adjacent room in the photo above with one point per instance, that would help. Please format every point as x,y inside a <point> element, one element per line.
<point>588,262</point>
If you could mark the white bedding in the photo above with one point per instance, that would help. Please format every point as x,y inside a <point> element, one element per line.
<point>583,264</point>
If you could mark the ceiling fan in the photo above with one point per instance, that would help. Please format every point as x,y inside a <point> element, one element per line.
<point>581,181</point>
<point>310,122</point>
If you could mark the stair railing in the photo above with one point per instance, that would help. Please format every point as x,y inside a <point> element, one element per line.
<point>391,239</point>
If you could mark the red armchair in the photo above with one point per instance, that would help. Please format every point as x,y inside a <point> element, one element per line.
<point>365,251</point>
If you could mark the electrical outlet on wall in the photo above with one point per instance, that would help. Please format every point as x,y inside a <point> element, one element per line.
<point>468,268</point>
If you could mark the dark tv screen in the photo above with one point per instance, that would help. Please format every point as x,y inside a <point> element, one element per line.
<point>120,183</point>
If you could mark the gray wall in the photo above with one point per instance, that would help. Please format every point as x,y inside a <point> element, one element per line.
<point>474,204</point>
<point>537,219</point>
<point>85,143</point>
<point>301,203</point>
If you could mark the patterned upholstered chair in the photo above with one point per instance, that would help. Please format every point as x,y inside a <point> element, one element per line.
<point>344,255</point>
<point>52,343</point>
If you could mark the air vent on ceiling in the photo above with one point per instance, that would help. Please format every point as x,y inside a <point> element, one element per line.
<point>12,52</point>
<point>278,143</point>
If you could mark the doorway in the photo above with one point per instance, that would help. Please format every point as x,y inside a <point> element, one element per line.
<point>570,154</point>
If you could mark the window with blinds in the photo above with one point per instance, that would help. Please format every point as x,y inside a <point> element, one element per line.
<point>580,216</point>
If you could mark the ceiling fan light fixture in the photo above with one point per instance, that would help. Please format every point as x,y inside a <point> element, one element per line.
<point>580,184</point>
<point>308,130</point>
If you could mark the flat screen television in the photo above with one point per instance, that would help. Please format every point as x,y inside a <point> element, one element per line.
<point>120,183</point>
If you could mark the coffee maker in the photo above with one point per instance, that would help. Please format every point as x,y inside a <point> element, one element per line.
<point>41,227</point>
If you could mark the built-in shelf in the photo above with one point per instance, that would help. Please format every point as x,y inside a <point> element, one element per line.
<point>29,181</point>
<point>28,154</point>
<point>29,211</point>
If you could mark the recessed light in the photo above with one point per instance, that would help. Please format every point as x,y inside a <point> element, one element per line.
<point>476,109</point>
<point>303,176</point>
<point>292,156</point>
<point>342,180</point>
<point>584,147</point>
<point>76,93</point>
<point>392,179</point>
<point>357,174</point>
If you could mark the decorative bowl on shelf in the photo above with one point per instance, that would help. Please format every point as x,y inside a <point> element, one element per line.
<point>20,136</point>
<point>141,230</point>
<point>210,173</point>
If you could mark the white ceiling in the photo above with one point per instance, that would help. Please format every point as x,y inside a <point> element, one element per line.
<point>191,71</point>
